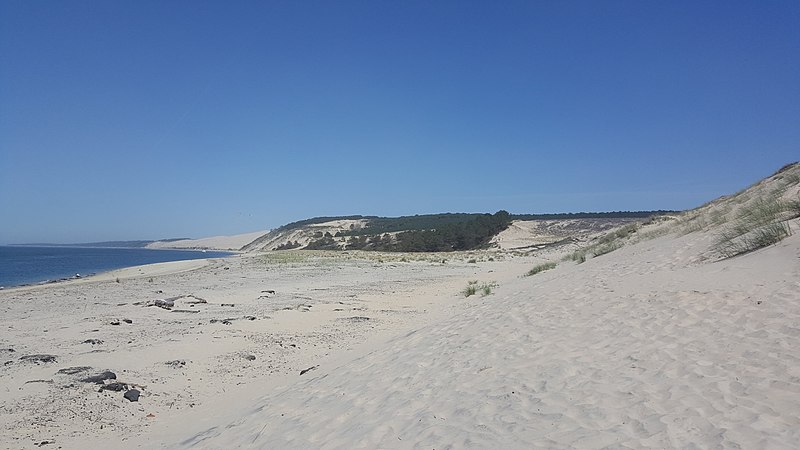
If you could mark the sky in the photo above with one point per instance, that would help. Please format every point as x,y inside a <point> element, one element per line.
<point>159,119</point>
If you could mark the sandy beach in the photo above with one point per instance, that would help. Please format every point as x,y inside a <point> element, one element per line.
<point>657,341</point>
<point>239,324</point>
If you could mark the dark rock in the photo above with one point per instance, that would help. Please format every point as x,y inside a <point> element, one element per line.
<point>92,341</point>
<point>196,301</point>
<point>115,387</point>
<point>166,304</point>
<point>9,350</point>
<point>250,317</point>
<point>100,377</point>
<point>74,370</point>
<point>250,357</point>
<point>222,321</point>
<point>38,358</point>
<point>227,304</point>
<point>127,320</point>
<point>132,395</point>
<point>178,363</point>
<point>116,322</point>
<point>357,319</point>
<point>304,371</point>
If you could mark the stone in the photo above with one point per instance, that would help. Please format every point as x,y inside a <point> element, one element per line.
<point>132,395</point>
<point>100,377</point>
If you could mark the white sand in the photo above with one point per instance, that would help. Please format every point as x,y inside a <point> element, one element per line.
<point>633,349</point>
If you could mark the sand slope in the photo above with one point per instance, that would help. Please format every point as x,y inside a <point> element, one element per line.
<point>638,348</point>
<point>235,242</point>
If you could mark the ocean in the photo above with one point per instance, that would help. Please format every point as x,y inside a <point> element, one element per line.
<point>21,265</point>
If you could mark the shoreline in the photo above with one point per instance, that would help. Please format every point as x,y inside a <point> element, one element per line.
<point>124,273</point>
<point>95,275</point>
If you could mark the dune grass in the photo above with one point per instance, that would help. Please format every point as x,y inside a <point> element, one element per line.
<point>541,268</point>
<point>761,223</point>
<point>604,244</point>
<point>473,288</point>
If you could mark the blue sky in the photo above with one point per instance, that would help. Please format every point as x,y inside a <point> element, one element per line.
<point>154,119</point>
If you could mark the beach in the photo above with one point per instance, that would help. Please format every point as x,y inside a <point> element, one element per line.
<point>645,347</point>
<point>672,333</point>
<point>237,324</point>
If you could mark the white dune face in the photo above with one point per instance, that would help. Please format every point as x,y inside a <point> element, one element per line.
<point>235,242</point>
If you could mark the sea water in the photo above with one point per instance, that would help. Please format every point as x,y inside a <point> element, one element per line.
<point>21,265</point>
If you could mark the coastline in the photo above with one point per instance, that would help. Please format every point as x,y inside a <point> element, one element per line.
<point>122,270</point>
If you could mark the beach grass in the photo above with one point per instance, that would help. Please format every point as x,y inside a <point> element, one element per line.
<point>541,268</point>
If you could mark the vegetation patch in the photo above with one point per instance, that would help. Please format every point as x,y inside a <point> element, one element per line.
<point>759,224</point>
<point>604,244</point>
<point>541,268</point>
<point>473,288</point>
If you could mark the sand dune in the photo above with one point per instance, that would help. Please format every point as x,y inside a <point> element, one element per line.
<point>235,242</point>
<point>630,350</point>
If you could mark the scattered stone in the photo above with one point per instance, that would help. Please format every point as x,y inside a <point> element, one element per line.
<point>127,320</point>
<point>357,319</point>
<point>39,381</point>
<point>92,341</point>
<point>9,350</point>
<point>38,358</point>
<point>304,371</point>
<point>250,357</point>
<point>166,304</point>
<point>185,310</point>
<point>74,370</point>
<point>100,377</point>
<point>268,292</point>
<point>114,387</point>
<point>222,321</point>
<point>250,317</point>
<point>45,442</point>
<point>227,304</point>
<point>132,395</point>
<point>176,364</point>
<point>301,307</point>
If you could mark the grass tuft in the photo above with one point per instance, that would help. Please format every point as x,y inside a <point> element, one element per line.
<point>541,268</point>
<point>757,225</point>
<point>473,288</point>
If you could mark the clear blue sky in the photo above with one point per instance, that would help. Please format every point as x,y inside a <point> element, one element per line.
<point>154,119</point>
